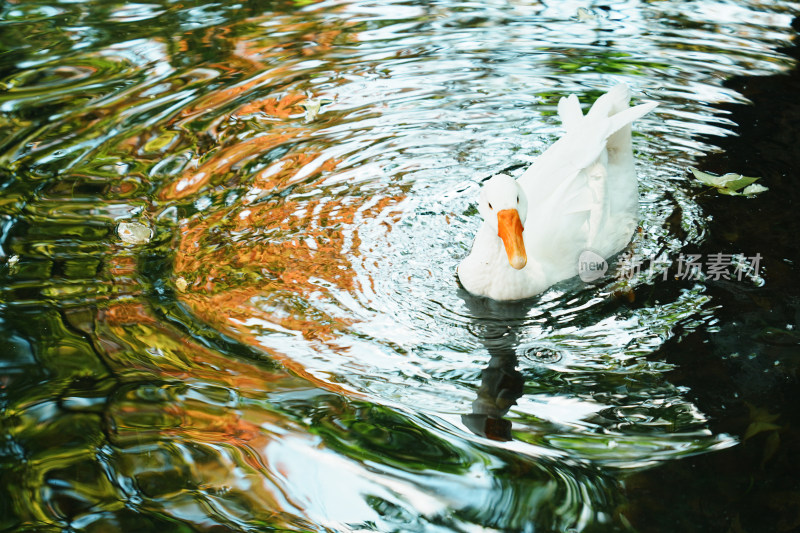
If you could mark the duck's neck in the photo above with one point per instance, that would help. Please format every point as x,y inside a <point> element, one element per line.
<point>486,271</point>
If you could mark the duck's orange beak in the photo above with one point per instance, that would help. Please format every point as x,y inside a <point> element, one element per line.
<point>509,228</point>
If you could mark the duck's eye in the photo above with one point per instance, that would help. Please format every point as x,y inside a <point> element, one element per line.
<point>517,198</point>
<point>490,206</point>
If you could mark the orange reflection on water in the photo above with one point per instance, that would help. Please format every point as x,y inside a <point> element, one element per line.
<point>134,341</point>
<point>273,266</point>
<point>295,250</point>
<point>278,108</point>
<point>220,163</point>
<point>272,259</point>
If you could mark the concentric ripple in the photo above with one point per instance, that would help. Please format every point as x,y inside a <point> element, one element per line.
<point>306,178</point>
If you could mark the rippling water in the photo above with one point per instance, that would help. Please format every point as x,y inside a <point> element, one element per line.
<point>284,345</point>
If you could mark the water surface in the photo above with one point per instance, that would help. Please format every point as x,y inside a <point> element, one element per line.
<point>283,344</point>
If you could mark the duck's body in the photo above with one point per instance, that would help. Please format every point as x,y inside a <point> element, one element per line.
<point>580,194</point>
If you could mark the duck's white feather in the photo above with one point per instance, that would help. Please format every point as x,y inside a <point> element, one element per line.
<point>581,195</point>
<point>569,110</point>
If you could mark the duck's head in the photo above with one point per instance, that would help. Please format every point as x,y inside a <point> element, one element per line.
<point>504,208</point>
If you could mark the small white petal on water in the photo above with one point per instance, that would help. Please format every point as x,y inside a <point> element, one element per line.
<point>586,14</point>
<point>313,106</point>
<point>755,188</point>
<point>134,232</point>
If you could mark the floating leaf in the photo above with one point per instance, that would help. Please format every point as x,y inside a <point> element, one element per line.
<point>134,233</point>
<point>708,179</point>
<point>730,183</point>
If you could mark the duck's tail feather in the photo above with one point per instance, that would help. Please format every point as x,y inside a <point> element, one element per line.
<point>609,114</point>
<point>605,126</point>
<point>615,105</point>
<point>597,132</point>
<point>612,102</point>
<point>622,118</point>
<point>569,110</point>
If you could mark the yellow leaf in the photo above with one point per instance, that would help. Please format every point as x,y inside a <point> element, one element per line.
<point>160,142</point>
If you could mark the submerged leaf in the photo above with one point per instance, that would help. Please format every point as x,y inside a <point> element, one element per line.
<point>157,144</point>
<point>761,420</point>
<point>759,427</point>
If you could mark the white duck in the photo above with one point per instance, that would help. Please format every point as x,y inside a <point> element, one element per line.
<point>580,194</point>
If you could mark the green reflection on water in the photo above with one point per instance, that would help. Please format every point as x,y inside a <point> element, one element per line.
<point>288,350</point>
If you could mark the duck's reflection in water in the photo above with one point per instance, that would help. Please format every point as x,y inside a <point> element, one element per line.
<point>497,326</point>
<point>501,385</point>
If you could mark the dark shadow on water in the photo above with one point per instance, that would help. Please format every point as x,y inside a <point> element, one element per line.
<point>745,374</point>
<point>496,325</point>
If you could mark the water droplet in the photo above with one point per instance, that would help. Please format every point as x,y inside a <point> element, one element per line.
<point>540,354</point>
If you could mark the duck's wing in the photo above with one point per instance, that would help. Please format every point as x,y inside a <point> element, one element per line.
<point>561,173</point>
<point>576,186</point>
<point>579,148</point>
